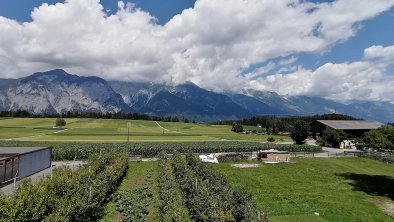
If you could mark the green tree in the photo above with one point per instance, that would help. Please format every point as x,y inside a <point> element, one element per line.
<point>271,139</point>
<point>377,139</point>
<point>60,122</point>
<point>237,127</point>
<point>333,137</point>
<point>299,132</point>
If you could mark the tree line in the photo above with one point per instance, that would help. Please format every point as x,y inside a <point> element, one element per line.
<point>95,115</point>
<point>275,124</point>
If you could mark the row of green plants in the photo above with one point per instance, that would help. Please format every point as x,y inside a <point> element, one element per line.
<point>67,195</point>
<point>172,206</point>
<point>133,204</point>
<point>208,196</point>
<point>70,151</point>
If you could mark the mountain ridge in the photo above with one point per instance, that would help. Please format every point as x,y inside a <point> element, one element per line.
<point>57,91</point>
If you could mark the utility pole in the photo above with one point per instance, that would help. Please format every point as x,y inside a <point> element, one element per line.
<point>128,132</point>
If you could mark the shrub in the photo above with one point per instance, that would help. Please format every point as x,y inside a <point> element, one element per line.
<point>68,195</point>
<point>271,139</point>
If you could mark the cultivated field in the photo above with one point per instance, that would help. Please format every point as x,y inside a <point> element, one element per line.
<point>109,130</point>
<point>337,189</point>
<point>139,178</point>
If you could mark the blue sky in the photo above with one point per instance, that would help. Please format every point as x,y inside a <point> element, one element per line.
<point>162,10</point>
<point>209,42</point>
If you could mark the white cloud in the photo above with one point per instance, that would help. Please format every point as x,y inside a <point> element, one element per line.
<point>210,44</point>
<point>379,52</point>
<point>360,80</point>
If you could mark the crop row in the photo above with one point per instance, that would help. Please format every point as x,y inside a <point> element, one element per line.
<point>69,151</point>
<point>133,204</point>
<point>208,196</point>
<point>172,206</point>
<point>67,195</point>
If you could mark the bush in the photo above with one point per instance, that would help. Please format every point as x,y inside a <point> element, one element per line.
<point>237,127</point>
<point>69,195</point>
<point>208,196</point>
<point>380,139</point>
<point>271,139</point>
<point>333,137</point>
<point>60,122</point>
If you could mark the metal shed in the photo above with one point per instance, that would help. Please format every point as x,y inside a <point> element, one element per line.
<point>20,162</point>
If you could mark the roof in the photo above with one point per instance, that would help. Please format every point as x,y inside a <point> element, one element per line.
<point>351,124</point>
<point>7,151</point>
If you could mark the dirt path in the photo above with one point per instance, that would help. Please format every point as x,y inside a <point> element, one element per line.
<point>168,129</point>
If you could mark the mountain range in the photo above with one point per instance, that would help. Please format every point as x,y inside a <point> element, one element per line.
<point>57,91</point>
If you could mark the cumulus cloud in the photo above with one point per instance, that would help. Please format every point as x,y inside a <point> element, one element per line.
<point>360,80</point>
<point>380,53</point>
<point>210,44</point>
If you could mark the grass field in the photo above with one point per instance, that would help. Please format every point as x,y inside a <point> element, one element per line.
<point>102,130</point>
<point>338,189</point>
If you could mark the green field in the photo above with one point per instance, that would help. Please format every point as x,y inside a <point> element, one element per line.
<point>110,130</point>
<point>338,189</point>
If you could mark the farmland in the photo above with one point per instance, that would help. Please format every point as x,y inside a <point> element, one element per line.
<point>140,182</point>
<point>338,189</point>
<point>109,130</point>
<point>307,189</point>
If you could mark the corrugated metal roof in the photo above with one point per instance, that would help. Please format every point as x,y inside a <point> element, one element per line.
<point>19,150</point>
<point>352,124</point>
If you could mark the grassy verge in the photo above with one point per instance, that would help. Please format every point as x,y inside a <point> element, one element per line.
<point>337,189</point>
<point>139,175</point>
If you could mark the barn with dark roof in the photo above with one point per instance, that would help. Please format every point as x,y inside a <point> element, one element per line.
<point>354,128</point>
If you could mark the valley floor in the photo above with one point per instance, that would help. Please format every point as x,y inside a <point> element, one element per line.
<point>114,130</point>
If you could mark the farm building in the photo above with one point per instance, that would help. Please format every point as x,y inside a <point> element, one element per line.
<point>354,128</point>
<point>274,156</point>
<point>20,162</point>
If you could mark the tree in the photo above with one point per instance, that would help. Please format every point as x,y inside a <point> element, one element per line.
<point>299,132</point>
<point>380,139</point>
<point>333,137</point>
<point>60,122</point>
<point>271,139</point>
<point>237,127</point>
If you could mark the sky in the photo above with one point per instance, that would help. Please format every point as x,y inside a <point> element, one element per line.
<point>341,50</point>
